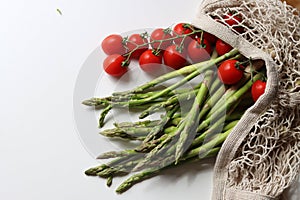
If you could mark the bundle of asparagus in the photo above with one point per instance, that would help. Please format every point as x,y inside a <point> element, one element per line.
<point>178,137</point>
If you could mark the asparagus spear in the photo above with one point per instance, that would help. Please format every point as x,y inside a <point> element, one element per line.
<point>130,133</point>
<point>192,119</point>
<point>145,123</point>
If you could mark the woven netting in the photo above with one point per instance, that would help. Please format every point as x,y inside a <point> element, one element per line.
<point>268,159</point>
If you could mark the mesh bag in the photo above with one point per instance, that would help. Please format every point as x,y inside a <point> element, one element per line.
<point>261,156</point>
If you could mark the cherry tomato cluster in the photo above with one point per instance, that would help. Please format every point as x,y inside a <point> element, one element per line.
<point>175,48</point>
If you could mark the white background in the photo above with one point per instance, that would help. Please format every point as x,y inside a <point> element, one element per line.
<point>41,53</point>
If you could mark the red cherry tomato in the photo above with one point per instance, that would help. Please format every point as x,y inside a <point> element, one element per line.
<point>173,58</point>
<point>199,53</point>
<point>113,44</point>
<point>150,59</point>
<point>222,47</point>
<point>114,65</point>
<point>233,20</point>
<point>182,29</point>
<point>229,73</point>
<point>257,89</point>
<point>133,41</point>
<point>161,34</point>
<point>210,38</point>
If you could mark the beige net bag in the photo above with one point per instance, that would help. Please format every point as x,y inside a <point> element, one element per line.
<point>261,157</point>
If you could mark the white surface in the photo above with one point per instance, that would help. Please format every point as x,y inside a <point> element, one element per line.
<point>41,54</point>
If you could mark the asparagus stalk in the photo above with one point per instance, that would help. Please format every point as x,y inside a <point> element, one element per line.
<point>130,133</point>
<point>121,169</point>
<point>115,154</point>
<point>94,170</point>
<point>109,181</point>
<point>145,123</point>
<point>103,115</point>
<point>192,119</point>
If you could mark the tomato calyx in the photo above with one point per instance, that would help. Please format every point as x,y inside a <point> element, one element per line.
<point>125,63</point>
<point>125,41</point>
<point>239,66</point>
<point>180,47</point>
<point>167,30</point>
<point>144,35</point>
<point>156,52</point>
<point>201,45</point>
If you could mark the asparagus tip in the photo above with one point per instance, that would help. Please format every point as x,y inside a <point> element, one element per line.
<point>87,102</point>
<point>109,181</point>
<point>91,172</point>
<point>107,155</point>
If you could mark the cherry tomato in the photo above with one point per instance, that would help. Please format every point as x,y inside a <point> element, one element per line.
<point>233,20</point>
<point>150,59</point>
<point>207,36</point>
<point>222,47</point>
<point>114,65</point>
<point>182,29</point>
<point>229,73</point>
<point>174,58</point>
<point>197,52</point>
<point>133,41</point>
<point>113,44</point>
<point>257,89</point>
<point>161,34</point>
<point>210,38</point>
